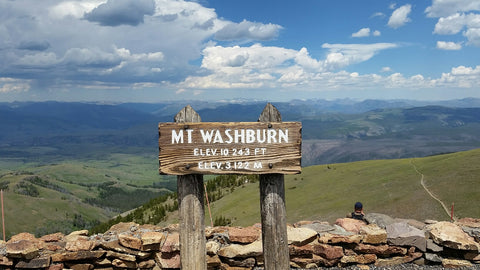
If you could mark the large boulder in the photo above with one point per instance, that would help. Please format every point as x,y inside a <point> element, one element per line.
<point>23,245</point>
<point>328,252</point>
<point>152,240</point>
<point>402,234</point>
<point>451,235</point>
<point>129,240</point>
<point>350,224</point>
<point>372,234</point>
<point>300,236</point>
<point>241,251</point>
<point>244,235</point>
<point>22,249</point>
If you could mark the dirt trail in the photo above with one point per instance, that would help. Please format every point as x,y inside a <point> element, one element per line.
<point>422,182</point>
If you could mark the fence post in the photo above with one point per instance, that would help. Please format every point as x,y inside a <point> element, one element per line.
<point>273,211</point>
<point>191,209</point>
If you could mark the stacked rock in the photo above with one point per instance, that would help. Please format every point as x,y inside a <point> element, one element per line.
<point>381,241</point>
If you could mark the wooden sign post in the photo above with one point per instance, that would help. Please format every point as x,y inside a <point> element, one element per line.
<point>191,210</point>
<point>273,210</point>
<point>271,148</point>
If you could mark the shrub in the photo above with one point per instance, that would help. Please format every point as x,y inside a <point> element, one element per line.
<point>27,189</point>
<point>222,221</point>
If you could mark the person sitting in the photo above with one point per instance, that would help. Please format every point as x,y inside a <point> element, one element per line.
<point>358,212</point>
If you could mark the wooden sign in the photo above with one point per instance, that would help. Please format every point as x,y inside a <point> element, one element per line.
<point>230,148</point>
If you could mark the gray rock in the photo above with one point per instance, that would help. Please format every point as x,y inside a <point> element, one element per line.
<point>473,232</point>
<point>338,230</point>
<point>432,257</point>
<point>381,220</point>
<point>319,227</point>
<point>402,234</point>
<point>432,246</point>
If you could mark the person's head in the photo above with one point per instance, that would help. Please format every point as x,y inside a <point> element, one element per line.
<point>358,206</point>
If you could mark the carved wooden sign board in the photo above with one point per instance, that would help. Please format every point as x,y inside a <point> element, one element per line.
<point>230,148</point>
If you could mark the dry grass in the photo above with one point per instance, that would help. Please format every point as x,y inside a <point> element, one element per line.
<point>392,187</point>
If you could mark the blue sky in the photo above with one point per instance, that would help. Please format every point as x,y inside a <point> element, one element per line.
<point>162,50</point>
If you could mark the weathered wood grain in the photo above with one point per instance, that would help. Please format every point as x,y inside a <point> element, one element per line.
<point>273,211</point>
<point>221,154</point>
<point>191,211</point>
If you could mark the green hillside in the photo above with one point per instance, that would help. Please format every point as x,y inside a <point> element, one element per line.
<point>392,187</point>
<point>328,192</point>
<point>77,194</point>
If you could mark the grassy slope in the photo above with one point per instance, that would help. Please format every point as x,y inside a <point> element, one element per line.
<point>80,179</point>
<point>323,192</point>
<point>392,187</point>
<point>454,178</point>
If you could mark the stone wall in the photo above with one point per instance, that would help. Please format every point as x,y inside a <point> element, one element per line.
<point>383,242</point>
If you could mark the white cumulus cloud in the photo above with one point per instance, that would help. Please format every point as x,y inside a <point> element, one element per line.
<point>462,70</point>
<point>460,77</point>
<point>399,16</point>
<point>76,9</point>
<point>364,32</point>
<point>261,66</point>
<point>116,42</point>
<point>473,36</point>
<point>445,8</point>
<point>342,55</point>
<point>453,24</point>
<point>248,30</point>
<point>455,17</point>
<point>448,45</point>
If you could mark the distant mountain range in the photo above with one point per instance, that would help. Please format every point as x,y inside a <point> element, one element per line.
<point>333,131</point>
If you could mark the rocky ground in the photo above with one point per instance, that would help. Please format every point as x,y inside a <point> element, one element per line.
<point>383,243</point>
